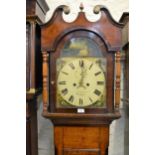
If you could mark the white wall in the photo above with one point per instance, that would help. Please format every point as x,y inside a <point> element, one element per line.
<point>116,8</point>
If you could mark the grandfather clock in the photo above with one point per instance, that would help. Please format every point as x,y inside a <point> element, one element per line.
<point>35,12</point>
<point>81,80</point>
<point>125,50</point>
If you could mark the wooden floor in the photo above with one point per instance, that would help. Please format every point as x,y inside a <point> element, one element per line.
<point>117,130</point>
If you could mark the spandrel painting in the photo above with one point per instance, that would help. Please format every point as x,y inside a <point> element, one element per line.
<point>81,47</point>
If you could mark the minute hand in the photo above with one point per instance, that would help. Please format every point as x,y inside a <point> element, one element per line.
<point>83,74</point>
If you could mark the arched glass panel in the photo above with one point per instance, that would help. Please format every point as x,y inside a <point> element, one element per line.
<point>82,47</point>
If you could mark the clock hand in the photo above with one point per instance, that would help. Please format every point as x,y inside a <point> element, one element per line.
<point>83,74</point>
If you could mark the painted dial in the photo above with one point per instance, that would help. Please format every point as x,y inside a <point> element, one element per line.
<point>81,82</point>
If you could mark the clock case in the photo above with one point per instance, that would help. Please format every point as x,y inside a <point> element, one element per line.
<point>106,32</point>
<point>35,13</point>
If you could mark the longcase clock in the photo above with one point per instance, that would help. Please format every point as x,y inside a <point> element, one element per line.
<point>35,12</point>
<point>81,80</point>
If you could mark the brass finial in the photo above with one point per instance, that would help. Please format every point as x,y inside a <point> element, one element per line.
<point>81,6</point>
<point>97,9</point>
<point>66,10</point>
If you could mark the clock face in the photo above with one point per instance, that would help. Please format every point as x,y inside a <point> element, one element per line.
<point>81,82</point>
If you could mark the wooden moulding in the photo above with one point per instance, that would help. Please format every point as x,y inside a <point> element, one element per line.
<point>45,81</point>
<point>34,18</point>
<point>81,119</point>
<point>117,80</point>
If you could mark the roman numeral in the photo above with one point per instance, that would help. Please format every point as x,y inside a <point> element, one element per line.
<point>90,66</point>
<point>100,82</point>
<point>80,101</point>
<point>64,73</point>
<point>81,63</point>
<point>98,61</point>
<point>64,91</point>
<point>71,99</point>
<point>90,100</point>
<point>97,92</point>
<point>97,73</point>
<point>62,82</point>
<point>72,66</point>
